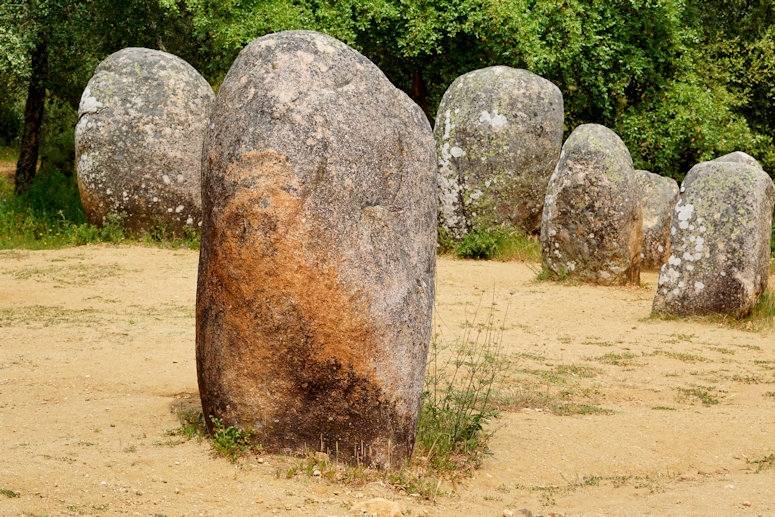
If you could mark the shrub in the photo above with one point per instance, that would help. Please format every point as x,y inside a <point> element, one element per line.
<point>456,403</point>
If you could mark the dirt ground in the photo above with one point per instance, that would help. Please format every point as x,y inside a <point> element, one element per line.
<point>657,417</point>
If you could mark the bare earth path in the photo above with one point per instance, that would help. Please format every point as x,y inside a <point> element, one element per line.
<point>650,417</point>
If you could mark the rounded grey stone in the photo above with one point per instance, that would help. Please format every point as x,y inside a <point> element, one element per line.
<point>659,196</point>
<point>592,221</point>
<point>318,256</point>
<point>739,157</point>
<point>498,137</point>
<point>720,241</point>
<point>138,141</point>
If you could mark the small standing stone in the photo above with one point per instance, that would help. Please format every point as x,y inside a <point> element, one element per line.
<point>318,256</point>
<point>138,141</point>
<point>720,241</point>
<point>498,137</point>
<point>592,221</point>
<point>659,196</point>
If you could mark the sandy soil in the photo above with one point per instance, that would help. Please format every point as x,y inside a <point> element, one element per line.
<point>97,349</point>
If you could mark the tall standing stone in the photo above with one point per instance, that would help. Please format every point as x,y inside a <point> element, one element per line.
<point>720,241</point>
<point>592,221</point>
<point>498,137</point>
<point>138,142</point>
<point>317,266</point>
<point>659,196</point>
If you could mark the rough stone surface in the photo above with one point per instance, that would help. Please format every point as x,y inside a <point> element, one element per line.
<point>659,196</point>
<point>592,221</point>
<point>498,137</point>
<point>138,142</point>
<point>317,266</point>
<point>739,157</point>
<point>720,241</point>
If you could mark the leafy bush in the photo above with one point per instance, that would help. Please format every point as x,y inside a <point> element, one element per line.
<point>686,123</point>
<point>499,243</point>
<point>479,244</point>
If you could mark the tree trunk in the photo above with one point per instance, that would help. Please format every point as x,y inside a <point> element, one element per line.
<point>419,93</point>
<point>27,165</point>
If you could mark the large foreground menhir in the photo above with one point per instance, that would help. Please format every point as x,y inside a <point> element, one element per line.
<point>316,274</point>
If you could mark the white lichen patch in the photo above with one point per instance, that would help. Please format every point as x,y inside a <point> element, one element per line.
<point>89,103</point>
<point>495,120</point>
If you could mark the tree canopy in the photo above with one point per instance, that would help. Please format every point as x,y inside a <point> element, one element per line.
<point>680,80</point>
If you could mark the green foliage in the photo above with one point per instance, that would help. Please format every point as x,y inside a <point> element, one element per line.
<point>499,243</point>
<point>480,244</point>
<point>11,116</point>
<point>9,493</point>
<point>687,122</point>
<point>192,425</point>
<point>231,442</point>
<point>456,404</point>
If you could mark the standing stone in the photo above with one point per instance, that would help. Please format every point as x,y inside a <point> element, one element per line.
<point>739,157</point>
<point>138,142</point>
<point>317,266</point>
<point>720,242</point>
<point>592,222</point>
<point>659,196</point>
<point>498,137</point>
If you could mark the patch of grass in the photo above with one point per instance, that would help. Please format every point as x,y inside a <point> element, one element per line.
<point>50,216</point>
<point>557,390</point>
<point>598,342</point>
<point>499,243</point>
<point>456,402</point>
<point>45,315</point>
<point>770,394</point>
<point>763,315</point>
<point>232,442</point>
<point>663,408</point>
<point>722,350</point>
<point>573,408</point>
<point>625,359</point>
<point>563,276</point>
<point>192,425</point>
<point>764,463</point>
<point>746,379</point>
<point>681,356</point>
<point>708,395</point>
<point>8,493</point>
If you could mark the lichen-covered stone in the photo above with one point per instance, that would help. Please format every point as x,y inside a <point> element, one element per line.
<point>659,196</point>
<point>138,142</point>
<point>498,137</point>
<point>739,157</point>
<point>720,241</point>
<point>316,275</point>
<point>592,221</point>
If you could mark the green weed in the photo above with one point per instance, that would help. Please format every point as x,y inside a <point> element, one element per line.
<point>708,395</point>
<point>681,356</point>
<point>456,404</point>
<point>499,243</point>
<point>625,359</point>
<point>763,463</point>
<point>231,442</point>
<point>8,493</point>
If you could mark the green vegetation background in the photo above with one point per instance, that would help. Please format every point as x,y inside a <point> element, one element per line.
<point>681,81</point>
